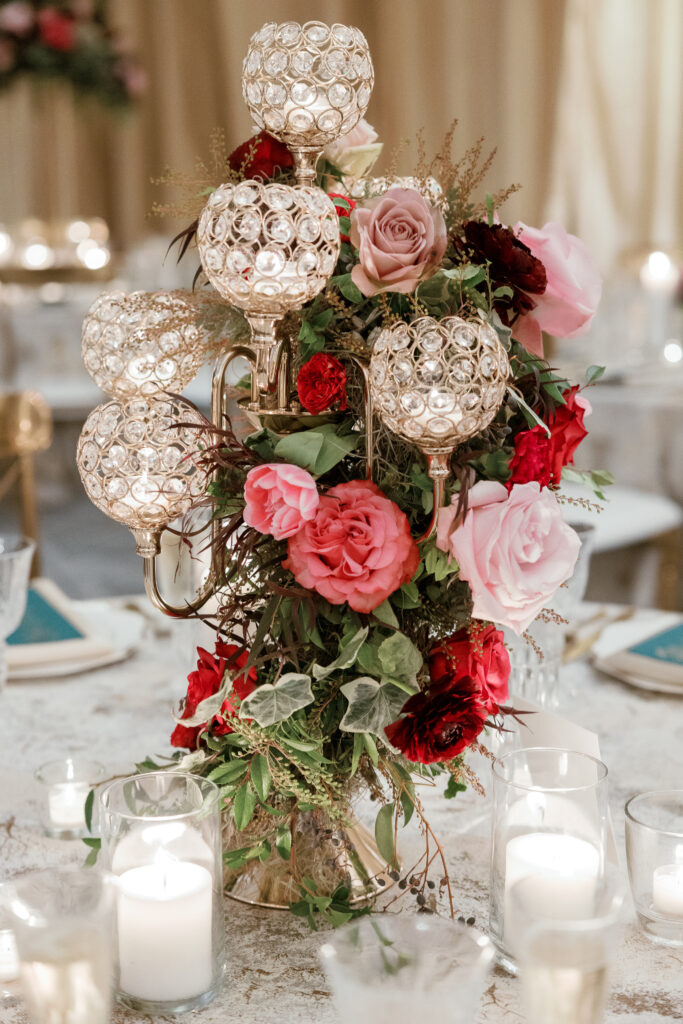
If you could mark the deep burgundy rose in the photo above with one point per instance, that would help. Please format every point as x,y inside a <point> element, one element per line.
<point>56,30</point>
<point>204,682</point>
<point>321,383</point>
<point>480,655</point>
<point>567,431</point>
<point>342,209</point>
<point>267,154</point>
<point>512,264</point>
<point>439,723</point>
<point>532,458</point>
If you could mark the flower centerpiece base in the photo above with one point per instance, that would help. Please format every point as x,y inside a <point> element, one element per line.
<point>327,853</point>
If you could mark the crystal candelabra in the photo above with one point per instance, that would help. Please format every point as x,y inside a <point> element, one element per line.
<point>268,249</point>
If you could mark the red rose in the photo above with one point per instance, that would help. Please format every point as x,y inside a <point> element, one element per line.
<point>439,723</point>
<point>204,682</point>
<point>481,656</point>
<point>567,431</point>
<point>56,30</point>
<point>532,458</point>
<point>267,154</point>
<point>342,210</point>
<point>320,383</point>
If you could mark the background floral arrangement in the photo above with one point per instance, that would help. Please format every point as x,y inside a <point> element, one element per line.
<point>358,632</point>
<point>72,40</point>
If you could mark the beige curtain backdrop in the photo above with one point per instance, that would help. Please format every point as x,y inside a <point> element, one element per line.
<point>529,75</point>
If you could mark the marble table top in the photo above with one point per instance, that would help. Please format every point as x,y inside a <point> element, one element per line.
<point>119,714</point>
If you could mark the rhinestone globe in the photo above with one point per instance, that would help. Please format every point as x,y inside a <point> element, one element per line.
<point>142,343</point>
<point>307,84</point>
<point>268,248</point>
<point>132,457</point>
<point>437,382</point>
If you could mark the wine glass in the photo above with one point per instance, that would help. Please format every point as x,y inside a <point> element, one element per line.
<point>16,554</point>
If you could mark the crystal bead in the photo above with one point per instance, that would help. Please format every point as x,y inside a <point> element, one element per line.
<point>275,62</point>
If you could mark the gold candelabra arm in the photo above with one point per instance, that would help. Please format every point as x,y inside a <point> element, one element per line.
<point>184,611</point>
<point>368,411</point>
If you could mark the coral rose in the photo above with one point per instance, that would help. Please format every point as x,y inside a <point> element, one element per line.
<point>357,549</point>
<point>480,655</point>
<point>320,383</point>
<point>400,240</point>
<point>279,498</point>
<point>513,549</point>
<point>207,680</point>
<point>439,723</point>
<point>572,295</point>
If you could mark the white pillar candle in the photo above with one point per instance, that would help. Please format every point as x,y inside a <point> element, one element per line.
<point>165,931</point>
<point>564,868</point>
<point>9,958</point>
<point>66,804</point>
<point>667,890</point>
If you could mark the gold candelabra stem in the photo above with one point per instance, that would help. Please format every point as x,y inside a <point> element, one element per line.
<point>305,163</point>
<point>438,469</point>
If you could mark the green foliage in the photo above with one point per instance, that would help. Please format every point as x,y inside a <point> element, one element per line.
<point>334,910</point>
<point>594,479</point>
<point>317,450</point>
<point>384,833</point>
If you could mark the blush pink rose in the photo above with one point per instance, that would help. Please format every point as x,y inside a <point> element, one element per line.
<point>513,549</point>
<point>357,549</point>
<point>400,240</point>
<point>572,295</point>
<point>280,498</point>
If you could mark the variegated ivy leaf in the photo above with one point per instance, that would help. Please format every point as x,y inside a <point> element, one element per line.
<point>400,659</point>
<point>345,658</point>
<point>189,762</point>
<point>269,704</point>
<point>208,707</point>
<point>372,705</point>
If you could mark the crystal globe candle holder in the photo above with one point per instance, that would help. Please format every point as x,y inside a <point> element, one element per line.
<point>142,343</point>
<point>307,85</point>
<point>134,461</point>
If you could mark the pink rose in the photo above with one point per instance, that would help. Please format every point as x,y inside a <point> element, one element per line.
<point>572,295</point>
<point>17,17</point>
<point>356,152</point>
<point>357,549</point>
<point>514,550</point>
<point>400,239</point>
<point>280,498</point>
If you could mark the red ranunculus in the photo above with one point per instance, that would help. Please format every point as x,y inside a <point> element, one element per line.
<point>320,383</point>
<point>439,723</point>
<point>204,682</point>
<point>567,431</point>
<point>267,154</point>
<point>480,655</point>
<point>532,458</point>
<point>511,264</point>
<point>56,30</point>
<point>342,210</point>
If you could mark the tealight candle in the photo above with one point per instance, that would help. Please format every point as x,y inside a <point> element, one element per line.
<point>66,805</point>
<point>564,868</point>
<point>667,890</point>
<point>67,784</point>
<point>165,930</point>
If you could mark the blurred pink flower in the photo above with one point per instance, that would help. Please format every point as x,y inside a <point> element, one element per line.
<point>17,17</point>
<point>280,498</point>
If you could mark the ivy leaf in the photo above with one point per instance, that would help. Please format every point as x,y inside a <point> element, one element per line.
<point>346,657</point>
<point>260,776</point>
<point>384,833</point>
<point>243,805</point>
<point>372,705</point>
<point>385,613</point>
<point>400,658</point>
<point>269,704</point>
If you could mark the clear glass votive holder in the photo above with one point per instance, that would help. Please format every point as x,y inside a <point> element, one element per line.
<point>399,968</point>
<point>9,955</point>
<point>549,823</point>
<point>16,555</point>
<point>66,784</point>
<point>654,856</point>
<point>63,921</point>
<point>161,839</point>
<point>564,961</point>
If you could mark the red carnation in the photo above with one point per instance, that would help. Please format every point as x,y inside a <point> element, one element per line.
<point>567,431</point>
<point>532,458</point>
<point>56,30</point>
<point>207,680</point>
<point>479,655</point>
<point>320,383</point>
<point>439,723</point>
<point>342,210</point>
<point>260,157</point>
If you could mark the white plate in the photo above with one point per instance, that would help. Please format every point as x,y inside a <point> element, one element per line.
<point>122,628</point>
<point>619,635</point>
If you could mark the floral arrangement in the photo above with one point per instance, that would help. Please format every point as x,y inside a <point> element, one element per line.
<point>69,39</point>
<point>359,641</point>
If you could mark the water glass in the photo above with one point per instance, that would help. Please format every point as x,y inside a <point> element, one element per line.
<point>161,839</point>
<point>399,968</point>
<point>654,855</point>
<point>549,824</point>
<point>63,924</point>
<point>9,956</point>
<point>16,554</point>
<point>564,961</point>
<point>66,784</point>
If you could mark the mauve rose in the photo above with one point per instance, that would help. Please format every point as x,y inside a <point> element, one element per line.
<point>513,549</point>
<point>400,240</point>
<point>17,17</point>
<point>280,498</point>
<point>357,549</point>
<point>572,295</point>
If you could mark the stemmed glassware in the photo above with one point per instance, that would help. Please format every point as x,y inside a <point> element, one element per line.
<point>16,554</point>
